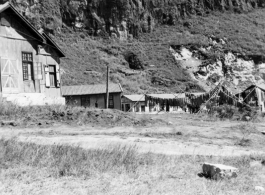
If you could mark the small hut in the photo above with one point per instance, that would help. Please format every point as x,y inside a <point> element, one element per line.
<point>254,96</point>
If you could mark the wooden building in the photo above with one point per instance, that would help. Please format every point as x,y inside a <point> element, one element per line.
<point>30,61</point>
<point>93,96</point>
<point>138,103</point>
<point>254,96</point>
<point>133,103</point>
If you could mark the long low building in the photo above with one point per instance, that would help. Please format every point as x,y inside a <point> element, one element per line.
<point>138,103</point>
<point>93,96</point>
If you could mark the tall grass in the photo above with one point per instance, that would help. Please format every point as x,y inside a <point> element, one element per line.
<point>71,161</point>
<point>126,165</point>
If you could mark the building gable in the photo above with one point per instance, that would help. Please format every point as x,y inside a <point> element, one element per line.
<point>10,17</point>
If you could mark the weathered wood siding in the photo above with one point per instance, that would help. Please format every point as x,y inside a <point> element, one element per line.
<point>16,39</point>
<point>100,99</point>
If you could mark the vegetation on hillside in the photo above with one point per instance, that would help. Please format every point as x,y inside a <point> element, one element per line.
<point>87,58</point>
<point>155,26</point>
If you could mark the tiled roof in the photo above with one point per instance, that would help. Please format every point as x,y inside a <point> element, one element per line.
<point>90,89</point>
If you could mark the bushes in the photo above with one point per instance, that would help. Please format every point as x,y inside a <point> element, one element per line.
<point>231,112</point>
<point>223,111</point>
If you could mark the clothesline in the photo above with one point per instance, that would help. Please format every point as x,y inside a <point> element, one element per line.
<point>223,95</point>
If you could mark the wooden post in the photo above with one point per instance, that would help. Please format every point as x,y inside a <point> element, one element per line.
<point>107,88</point>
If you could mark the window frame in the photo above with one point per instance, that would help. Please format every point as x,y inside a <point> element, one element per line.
<point>111,99</point>
<point>25,64</point>
<point>54,74</point>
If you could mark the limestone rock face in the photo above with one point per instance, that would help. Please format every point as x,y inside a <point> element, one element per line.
<point>106,15</point>
<point>212,63</point>
<point>219,171</point>
<point>259,188</point>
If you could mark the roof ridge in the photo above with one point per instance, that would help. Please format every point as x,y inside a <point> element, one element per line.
<point>89,85</point>
<point>90,89</point>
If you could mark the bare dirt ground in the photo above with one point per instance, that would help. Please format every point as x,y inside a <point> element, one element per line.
<point>183,135</point>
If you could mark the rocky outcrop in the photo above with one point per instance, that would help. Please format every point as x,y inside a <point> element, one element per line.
<point>214,62</point>
<point>122,18</point>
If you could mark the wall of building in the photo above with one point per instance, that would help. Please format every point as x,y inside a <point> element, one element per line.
<point>134,107</point>
<point>141,107</point>
<point>14,40</point>
<point>261,101</point>
<point>99,99</point>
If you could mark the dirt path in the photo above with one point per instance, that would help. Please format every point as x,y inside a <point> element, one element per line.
<point>180,138</point>
<point>160,146</point>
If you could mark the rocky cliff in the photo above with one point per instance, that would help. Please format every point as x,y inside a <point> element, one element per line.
<point>123,18</point>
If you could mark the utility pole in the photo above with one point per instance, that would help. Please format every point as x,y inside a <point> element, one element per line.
<point>107,88</point>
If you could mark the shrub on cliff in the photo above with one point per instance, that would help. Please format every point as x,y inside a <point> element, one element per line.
<point>133,60</point>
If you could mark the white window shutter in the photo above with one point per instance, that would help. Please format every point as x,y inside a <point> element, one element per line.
<point>47,76</point>
<point>35,70</point>
<point>58,78</point>
<point>30,72</point>
<point>38,71</point>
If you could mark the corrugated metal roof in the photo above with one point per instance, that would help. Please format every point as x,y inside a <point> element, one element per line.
<point>141,98</point>
<point>90,89</point>
<point>136,98</point>
<point>197,93</point>
<point>168,96</point>
<point>261,86</point>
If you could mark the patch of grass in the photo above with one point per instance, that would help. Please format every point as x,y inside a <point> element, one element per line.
<point>151,173</point>
<point>49,114</point>
<point>67,161</point>
<point>246,129</point>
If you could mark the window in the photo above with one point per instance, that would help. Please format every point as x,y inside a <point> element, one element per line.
<point>85,101</point>
<point>27,66</point>
<point>52,74</point>
<point>111,101</point>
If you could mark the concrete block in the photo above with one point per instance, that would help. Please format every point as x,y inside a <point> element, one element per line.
<point>219,171</point>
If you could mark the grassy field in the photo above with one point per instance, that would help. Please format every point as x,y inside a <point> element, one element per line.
<point>32,169</point>
<point>151,154</point>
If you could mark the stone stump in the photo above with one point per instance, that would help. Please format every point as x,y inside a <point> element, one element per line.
<point>219,171</point>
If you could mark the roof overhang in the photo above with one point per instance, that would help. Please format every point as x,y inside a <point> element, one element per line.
<point>41,36</point>
<point>52,43</point>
